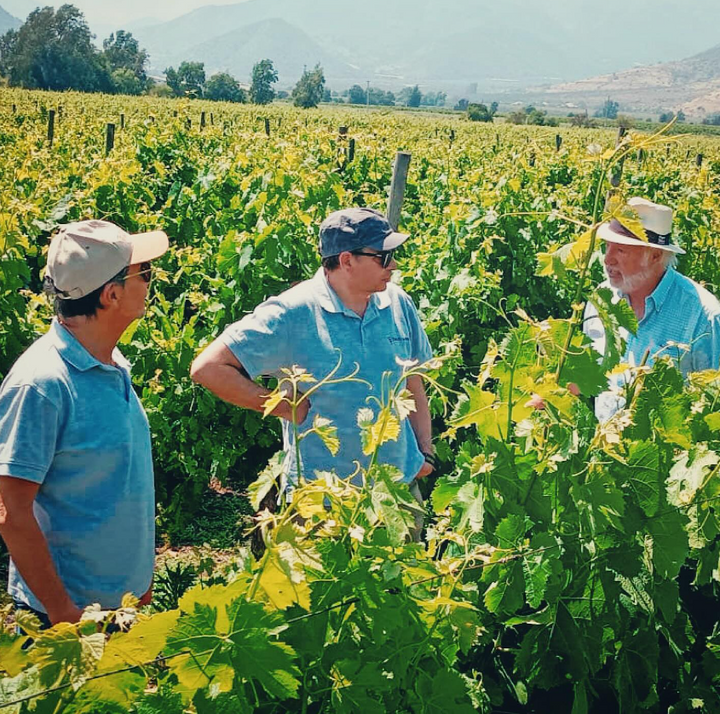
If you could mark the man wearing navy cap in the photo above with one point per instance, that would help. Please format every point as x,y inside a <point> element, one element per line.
<point>676,316</point>
<point>352,306</point>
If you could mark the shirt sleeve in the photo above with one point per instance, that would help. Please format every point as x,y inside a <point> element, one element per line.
<point>29,429</point>
<point>419,343</point>
<point>706,348</point>
<point>260,341</point>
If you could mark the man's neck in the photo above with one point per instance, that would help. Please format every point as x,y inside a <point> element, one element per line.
<point>352,299</point>
<point>97,336</point>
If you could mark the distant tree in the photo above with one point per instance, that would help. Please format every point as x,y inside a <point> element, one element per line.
<point>125,81</point>
<point>122,51</point>
<point>282,94</point>
<point>479,112</point>
<point>666,117</point>
<point>681,116</point>
<point>609,110</point>
<point>160,90</point>
<point>54,50</point>
<point>381,98</point>
<point>357,95</point>
<point>517,117</point>
<point>462,105</point>
<point>327,95</point>
<point>625,122</point>
<point>223,87</point>
<point>308,92</point>
<point>414,97</point>
<point>188,80</point>
<point>494,108</point>
<point>712,119</point>
<point>264,75</point>
<point>582,120</point>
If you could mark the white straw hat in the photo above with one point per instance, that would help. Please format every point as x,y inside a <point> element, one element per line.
<point>656,219</point>
<point>83,256</point>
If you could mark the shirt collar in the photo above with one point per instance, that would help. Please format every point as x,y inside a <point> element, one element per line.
<point>330,301</point>
<point>72,351</point>
<point>662,290</point>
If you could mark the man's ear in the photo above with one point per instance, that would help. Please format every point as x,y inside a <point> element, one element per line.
<point>345,259</point>
<point>110,295</point>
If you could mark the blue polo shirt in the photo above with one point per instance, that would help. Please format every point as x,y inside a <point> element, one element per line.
<point>76,427</point>
<point>681,320</point>
<point>306,326</point>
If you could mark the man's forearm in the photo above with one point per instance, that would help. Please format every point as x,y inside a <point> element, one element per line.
<point>29,550</point>
<point>228,383</point>
<point>420,418</point>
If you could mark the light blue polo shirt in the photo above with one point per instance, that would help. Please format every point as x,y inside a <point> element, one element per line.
<point>681,320</point>
<point>76,427</point>
<point>305,326</point>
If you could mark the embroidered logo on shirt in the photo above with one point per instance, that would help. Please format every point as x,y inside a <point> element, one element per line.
<point>393,339</point>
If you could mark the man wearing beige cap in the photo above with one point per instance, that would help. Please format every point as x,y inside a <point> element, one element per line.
<point>676,316</point>
<point>77,504</point>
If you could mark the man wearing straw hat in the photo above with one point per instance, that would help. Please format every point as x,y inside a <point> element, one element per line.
<point>676,316</point>
<point>77,504</point>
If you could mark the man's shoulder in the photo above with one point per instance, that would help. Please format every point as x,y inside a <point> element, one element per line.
<point>40,367</point>
<point>702,297</point>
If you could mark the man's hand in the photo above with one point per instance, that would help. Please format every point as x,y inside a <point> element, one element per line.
<point>284,411</point>
<point>146,599</point>
<point>425,470</point>
<point>69,613</point>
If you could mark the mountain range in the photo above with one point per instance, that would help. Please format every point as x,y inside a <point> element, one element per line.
<point>691,85</point>
<point>7,21</point>
<point>515,43</point>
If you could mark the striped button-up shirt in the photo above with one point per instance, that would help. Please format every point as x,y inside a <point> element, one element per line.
<point>682,320</point>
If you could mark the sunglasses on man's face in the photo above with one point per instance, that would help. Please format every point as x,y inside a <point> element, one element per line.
<point>145,272</point>
<point>384,256</point>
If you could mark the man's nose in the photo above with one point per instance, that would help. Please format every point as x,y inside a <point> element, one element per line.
<point>610,257</point>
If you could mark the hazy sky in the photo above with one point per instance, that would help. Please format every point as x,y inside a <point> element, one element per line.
<point>108,12</point>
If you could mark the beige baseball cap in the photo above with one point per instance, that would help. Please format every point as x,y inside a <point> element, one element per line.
<point>84,255</point>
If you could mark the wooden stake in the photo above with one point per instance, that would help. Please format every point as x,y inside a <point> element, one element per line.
<point>351,150</point>
<point>698,160</point>
<point>397,187</point>
<point>202,120</point>
<point>122,121</point>
<point>558,142</point>
<point>51,127</point>
<point>109,138</point>
<point>14,109</point>
<point>617,173</point>
<point>267,126</point>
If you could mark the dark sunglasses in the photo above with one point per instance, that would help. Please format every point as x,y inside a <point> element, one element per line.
<point>145,272</point>
<point>384,256</point>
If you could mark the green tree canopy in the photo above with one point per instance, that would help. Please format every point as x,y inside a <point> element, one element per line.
<point>54,50</point>
<point>479,112</point>
<point>223,87</point>
<point>122,51</point>
<point>609,109</point>
<point>412,96</point>
<point>264,75</point>
<point>188,80</point>
<point>125,81</point>
<point>308,92</point>
<point>357,95</point>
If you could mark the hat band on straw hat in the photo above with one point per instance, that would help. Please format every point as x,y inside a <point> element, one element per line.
<point>655,238</point>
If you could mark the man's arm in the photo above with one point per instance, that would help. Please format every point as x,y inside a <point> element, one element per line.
<point>29,549</point>
<point>216,368</point>
<point>420,421</point>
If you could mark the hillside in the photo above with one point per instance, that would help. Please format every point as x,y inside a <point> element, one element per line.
<point>461,40</point>
<point>692,85</point>
<point>290,49</point>
<point>8,21</point>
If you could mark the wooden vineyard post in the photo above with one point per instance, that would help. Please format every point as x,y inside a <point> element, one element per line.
<point>122,121</point>
<point>558,142</point>
<point>267,126</point>
<point>699,160</point>
<point>109,138</point>
<point>14,108</point>
<point>212,119</point>
<point>397,187</point>
<point>351,150</point>
<point>342,147</point>
<point>617,173</point>
<point>202,120</point>
<point>175,113</point>
<point>452,135</point>
<point>188,123</point>
<point>51,127</point>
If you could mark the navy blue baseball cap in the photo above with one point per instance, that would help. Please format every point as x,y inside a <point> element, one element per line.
<point>356,228</point>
